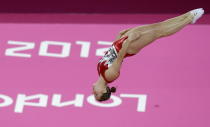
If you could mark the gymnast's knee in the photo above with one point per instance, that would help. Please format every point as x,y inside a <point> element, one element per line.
<point>161,33</point>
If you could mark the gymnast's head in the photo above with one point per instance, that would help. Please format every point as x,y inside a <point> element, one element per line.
<point>103,93</point>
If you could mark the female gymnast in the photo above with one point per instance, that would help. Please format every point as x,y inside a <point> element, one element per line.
<point>129,42</point>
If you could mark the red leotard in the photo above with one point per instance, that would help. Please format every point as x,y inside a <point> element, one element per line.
<point>109,57</point>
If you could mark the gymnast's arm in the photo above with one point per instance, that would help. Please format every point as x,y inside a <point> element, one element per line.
<point>113,71</point>
<point>122,33</point>
<point>117,63</point>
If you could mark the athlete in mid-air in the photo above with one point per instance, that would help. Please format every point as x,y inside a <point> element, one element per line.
<point>129,42</point>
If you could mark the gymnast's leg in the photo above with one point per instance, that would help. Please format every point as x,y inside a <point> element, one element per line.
<point>149,33</point>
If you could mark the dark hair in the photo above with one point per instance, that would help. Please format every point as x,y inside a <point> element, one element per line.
<point>107,95</point>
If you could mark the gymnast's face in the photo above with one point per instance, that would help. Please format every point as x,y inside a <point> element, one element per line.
<point>98,91</point>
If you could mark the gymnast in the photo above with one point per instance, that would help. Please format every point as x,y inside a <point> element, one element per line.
<point>129,42</point>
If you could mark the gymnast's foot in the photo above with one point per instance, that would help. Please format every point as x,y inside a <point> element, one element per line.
<point>197,13</point>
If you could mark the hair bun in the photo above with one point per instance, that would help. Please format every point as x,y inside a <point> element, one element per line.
<point>113,89</point>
